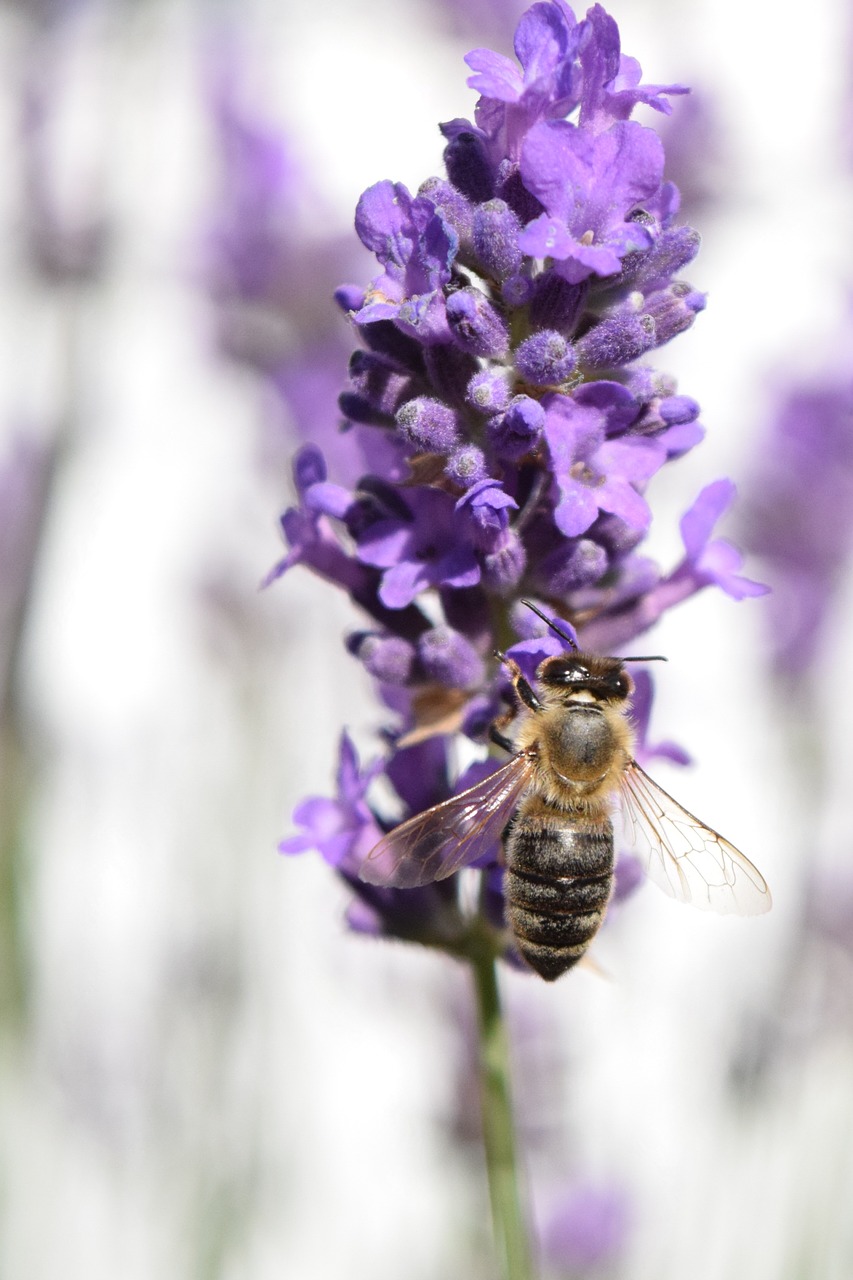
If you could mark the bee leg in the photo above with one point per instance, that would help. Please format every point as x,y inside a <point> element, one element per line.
<point>499,739</point>
<point>522,686</point>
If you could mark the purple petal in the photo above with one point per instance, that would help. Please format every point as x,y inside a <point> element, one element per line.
<point>328,499</point>
<point>458,568</point>
<point>621,499</point>
<point>576,509</point>
<point>540,41</point>
<point>721,562</point>
<point>546,237</point>
<point>495,75</point>
<point>697,523</point>
<point>381,222</point>
<point>634,460</point>
<point>385,543</point>
<point>402,582</point>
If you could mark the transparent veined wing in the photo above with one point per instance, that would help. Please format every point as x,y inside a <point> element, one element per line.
<point>685,858</point>
<point>439,841</point>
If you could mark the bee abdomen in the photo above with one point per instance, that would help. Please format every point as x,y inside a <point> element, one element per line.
<point>558,884</point>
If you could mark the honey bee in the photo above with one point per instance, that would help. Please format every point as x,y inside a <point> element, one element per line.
<point>552,803</point>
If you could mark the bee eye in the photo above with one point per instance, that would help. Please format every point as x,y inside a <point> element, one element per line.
<point>574,672</point>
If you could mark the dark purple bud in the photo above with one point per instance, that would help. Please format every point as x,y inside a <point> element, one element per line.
<point>386,657</point>
<point>479,715</point>
<point>576,564</point>
<point>615,535</point>
<point>674,410</point>
<point>468,610</point>
<point>376,392</point>
<point>468,166</point>
<point>545,358</point>
<point>446,656</point>
<point>386,339</point>
<point>476,325</point>
<point>557,304</point>
<point>495,231</point>
<point>517,291</point>
<point>449,370</point>
<point>309,467</point>
<point>504,568</point>
<point>514,433</point>
<point>466,467</point>
<point>616,340</point>
<point>428,424</point>
<point>457,211</point>
<point>488,391</point>
<point>509,187</point>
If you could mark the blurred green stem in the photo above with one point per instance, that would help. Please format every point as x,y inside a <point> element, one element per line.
<point>508,1218</point>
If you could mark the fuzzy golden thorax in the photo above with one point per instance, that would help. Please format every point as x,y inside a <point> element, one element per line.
<point>580,735</point>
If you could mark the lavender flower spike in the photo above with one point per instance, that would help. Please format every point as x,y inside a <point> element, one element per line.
<point>510,435</point>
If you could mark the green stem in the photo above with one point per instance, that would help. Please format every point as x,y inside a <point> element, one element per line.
<point>510,1227</point>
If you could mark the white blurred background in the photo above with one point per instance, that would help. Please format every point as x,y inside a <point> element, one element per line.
<point>202,1073</point>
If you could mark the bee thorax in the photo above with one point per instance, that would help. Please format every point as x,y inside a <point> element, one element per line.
<point>580,744</point>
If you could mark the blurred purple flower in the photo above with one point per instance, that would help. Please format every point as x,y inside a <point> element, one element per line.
<point>25,475</point>
<point>587,1230</point>
<point>67,236</point>
<point>798,514</point>
<point>271,267</point>
<point>343,830</point>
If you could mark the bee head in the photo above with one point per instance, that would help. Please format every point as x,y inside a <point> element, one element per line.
<point>604,678</point>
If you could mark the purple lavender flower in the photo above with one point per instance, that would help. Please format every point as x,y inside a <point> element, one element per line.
<point>798,514</point>
<point>270,273</point>
<point>586,1229</point>
<point>515,435</point>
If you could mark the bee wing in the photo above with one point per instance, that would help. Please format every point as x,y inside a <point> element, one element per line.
<point>434,844</point>
<point>686,859</point>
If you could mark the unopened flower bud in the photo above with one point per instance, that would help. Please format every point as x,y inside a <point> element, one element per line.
<point>376,390</point>
<point>556,304</point>
<point>428,424</point>
<point>488,391</point>
<point>476,325</point>
<point>517,291</point>
<point>673,310</point>
<point>457,211</point>
<point>386,657</point>
<point>468,166</point>
<point>545,358</point>
<point>446,656</point>
<point>616,341</point>
<point>495,231</point>
<point>677,409</point>
<point>466,466</point>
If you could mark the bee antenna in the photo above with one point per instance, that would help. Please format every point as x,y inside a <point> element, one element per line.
<point>552,624</point>
<point>651,657</point>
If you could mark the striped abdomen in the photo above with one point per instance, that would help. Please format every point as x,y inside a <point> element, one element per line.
<point>559,875</point>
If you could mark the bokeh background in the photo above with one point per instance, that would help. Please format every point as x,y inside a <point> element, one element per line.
<point>202,1073</point>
